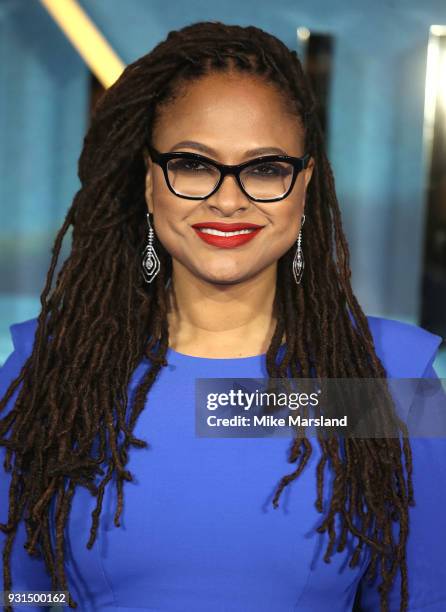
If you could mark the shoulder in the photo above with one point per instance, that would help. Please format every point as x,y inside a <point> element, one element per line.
<point>405,350</point>
<point>22,335</point>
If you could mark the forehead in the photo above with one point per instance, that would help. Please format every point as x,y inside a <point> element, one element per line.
<point>229,112</point>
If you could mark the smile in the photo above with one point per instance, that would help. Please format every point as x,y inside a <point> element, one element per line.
<point>226,235</point>
<point>207,230</point>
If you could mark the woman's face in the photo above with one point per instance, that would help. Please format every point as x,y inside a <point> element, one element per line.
<point>232,119</point>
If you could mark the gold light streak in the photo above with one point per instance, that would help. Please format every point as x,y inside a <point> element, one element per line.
<point>87,39</point>
<point>435,86</point>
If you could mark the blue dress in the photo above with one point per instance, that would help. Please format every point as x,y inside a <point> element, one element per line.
<point>198,531</point>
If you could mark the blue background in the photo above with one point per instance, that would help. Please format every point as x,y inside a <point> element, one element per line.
<point>375,118</point>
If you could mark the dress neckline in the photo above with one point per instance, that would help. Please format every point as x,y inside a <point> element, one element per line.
<point>184,356</point>
<point>176,354</point>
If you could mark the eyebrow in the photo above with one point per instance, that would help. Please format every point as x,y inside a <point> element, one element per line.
<point>191,144</point>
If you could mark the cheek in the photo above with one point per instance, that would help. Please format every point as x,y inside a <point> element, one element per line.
<point>286,224</point>
<point>167,218</point>
<point>170,219</point>
<point>167,207</point>
<point>287,216</point>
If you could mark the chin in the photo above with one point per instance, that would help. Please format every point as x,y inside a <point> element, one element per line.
<point>222,277</point>
<point>222,280</point>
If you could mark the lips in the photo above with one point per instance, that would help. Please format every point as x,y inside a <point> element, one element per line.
<point>226,227</point>
<point>226,235</point>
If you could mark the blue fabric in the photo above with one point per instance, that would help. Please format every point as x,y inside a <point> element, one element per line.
<point>198,531</point>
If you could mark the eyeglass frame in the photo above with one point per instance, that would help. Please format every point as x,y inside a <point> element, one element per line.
<point>162,159</point>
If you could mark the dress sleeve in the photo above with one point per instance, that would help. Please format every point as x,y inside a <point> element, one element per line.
<point>426,542</point>
<point>27,573</point>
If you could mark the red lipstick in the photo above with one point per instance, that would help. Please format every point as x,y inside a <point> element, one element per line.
<point>243,233</point>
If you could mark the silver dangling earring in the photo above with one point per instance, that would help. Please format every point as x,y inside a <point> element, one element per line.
<point>298,261</point>
<point>150,263</point>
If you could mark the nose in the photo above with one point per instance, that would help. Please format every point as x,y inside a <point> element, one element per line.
<point>229,198</point>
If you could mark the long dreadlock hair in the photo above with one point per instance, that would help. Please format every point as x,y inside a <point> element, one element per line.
<point>74,384</point>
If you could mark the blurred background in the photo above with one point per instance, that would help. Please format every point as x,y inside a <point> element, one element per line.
<point>379,72</point>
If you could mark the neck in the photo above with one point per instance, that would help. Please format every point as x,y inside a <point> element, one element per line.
<point>217,320</point>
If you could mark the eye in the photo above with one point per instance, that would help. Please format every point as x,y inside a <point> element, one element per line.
<point>188,165</point>
<point>266,169</point>
<point>270,170</point>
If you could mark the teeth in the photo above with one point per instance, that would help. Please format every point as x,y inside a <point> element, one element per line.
<point>208,230</point>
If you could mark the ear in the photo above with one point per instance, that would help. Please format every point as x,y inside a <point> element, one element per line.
<point>309,172</point>
<point>149,181</point>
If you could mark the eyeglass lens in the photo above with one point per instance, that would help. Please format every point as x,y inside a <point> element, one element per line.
<point>265,180</point>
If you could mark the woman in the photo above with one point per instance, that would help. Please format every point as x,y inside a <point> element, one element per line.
<point>213,137</point>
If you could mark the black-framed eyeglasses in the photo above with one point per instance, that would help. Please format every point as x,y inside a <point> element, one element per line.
<point>195,177</point>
